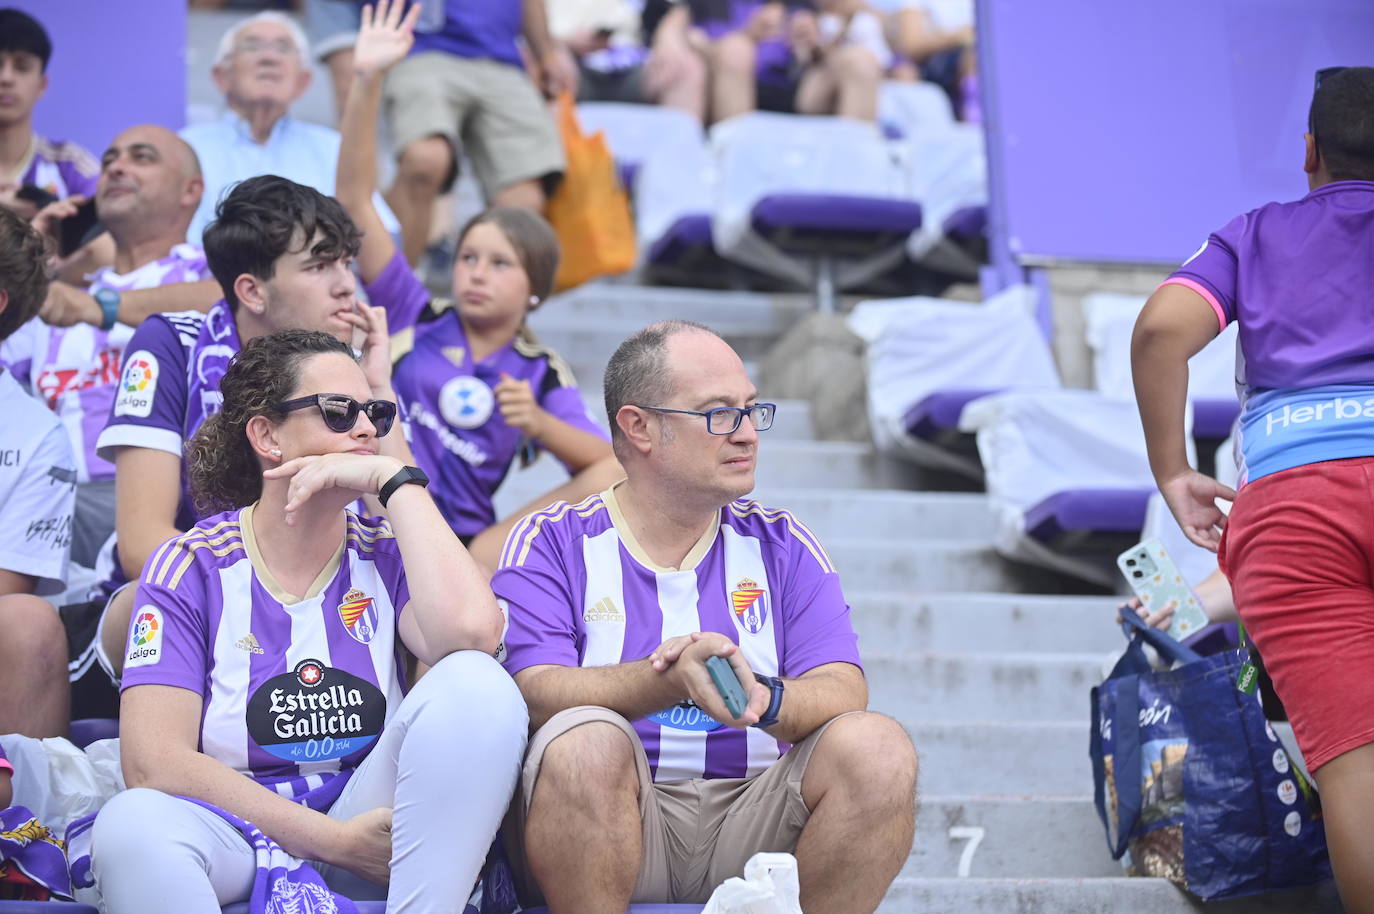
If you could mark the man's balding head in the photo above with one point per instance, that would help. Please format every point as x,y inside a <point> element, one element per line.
<point>148,176</point>
<point>660,384</point>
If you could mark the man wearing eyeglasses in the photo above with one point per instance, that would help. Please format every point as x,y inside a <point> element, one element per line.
<point>262,66</point>
<point>616,605</point>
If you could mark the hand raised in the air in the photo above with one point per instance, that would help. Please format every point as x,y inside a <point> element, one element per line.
<point>385,35</point>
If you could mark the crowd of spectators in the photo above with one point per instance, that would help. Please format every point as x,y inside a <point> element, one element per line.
<point>275,586</point>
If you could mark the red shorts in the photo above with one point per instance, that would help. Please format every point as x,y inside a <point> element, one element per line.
<point>1299,552</point>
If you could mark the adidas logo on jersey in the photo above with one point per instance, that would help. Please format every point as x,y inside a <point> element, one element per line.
<point>249,643</point>
<point>604,610</point>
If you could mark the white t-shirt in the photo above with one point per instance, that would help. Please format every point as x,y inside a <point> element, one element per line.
<point>37,489</point>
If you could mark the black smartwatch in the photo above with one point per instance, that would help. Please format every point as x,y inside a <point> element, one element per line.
<point>770,716</point>
<point>404,476</point>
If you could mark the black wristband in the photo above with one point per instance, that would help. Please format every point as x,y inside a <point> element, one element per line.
<point>404,476</point>
<point>775,688</point>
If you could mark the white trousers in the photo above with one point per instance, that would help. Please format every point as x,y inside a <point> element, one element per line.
<point>446,764</point>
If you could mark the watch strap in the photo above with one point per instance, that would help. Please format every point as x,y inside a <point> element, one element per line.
<point>108,299</point>
<point>775,688</point>
<point>404,476</point>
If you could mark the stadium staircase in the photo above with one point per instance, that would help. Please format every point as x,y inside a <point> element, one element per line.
<point>986,664</point>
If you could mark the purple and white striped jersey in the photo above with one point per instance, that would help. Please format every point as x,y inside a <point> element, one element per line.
<point>456,431</point>
<point>578,590</point>
<point>75,370</point>
<point>170,383</point>
<point>295,691</point>
<point>60,168</point>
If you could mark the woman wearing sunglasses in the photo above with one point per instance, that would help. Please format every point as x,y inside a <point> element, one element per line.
<point>477,390</point>
<point>263,674</point>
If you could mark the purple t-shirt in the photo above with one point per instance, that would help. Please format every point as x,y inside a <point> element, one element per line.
<point>1294,276</point>
<point>578,590</point>
<point>75,370</point>
<point>488,29</point>
<point>295,691</point>
<point>61,168</point>
<point>455,427</point>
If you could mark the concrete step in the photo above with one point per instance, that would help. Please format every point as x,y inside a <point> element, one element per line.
<point>1088,896</point>
<point>832,512</point>
<point>587,342</point>
<point>871,563</point>
<point>999,622</point>
<point>946,687</point>
<point>1018,836</point>
<point>722,311</point>
<point>830,465</point>
<point>997,757</point>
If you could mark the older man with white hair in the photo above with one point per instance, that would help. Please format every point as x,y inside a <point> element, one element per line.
<point>262,67</point>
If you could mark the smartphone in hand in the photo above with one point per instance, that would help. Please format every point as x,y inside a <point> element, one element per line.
<point>78,230</point>
<point>1158,583</point>
<point>727,684</point>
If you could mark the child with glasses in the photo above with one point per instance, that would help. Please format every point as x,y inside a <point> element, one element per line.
<point>1298,547</point>
<point>476,388</point>
<point>263,688</point>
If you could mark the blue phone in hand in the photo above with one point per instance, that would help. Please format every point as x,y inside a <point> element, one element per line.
<point>727,684</point>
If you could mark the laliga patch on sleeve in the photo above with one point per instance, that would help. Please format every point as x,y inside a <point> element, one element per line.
<point>145,639</point>
<point>137,385</point>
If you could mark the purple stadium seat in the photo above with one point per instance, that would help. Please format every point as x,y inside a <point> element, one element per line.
<point>967,224</point>
<point>824,227</point>
<point>89,729</point>
<point>807,223</point>
<point>1095,511</point>
<point>45,907</point>
<point>938,414</point>
<point>1213,418</point>
<point>688,235</point>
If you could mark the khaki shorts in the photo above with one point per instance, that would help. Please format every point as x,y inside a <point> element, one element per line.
<point>697,833</point>
<point>491,109</point>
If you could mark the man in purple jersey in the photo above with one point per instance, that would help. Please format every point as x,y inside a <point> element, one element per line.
<point>614,607</point>
<point>27,159</point>
<point>149,187</point>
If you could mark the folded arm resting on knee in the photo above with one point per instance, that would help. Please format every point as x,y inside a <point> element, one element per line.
<point>159,732</point>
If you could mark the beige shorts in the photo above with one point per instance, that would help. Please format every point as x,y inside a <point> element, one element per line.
<point>491,108</point>
<point>697,833</point>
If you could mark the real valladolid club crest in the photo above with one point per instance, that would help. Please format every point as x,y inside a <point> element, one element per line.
<point>750,602</point>
<point>359,615</point>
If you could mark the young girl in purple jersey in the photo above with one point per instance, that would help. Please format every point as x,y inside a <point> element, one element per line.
<point>477,390</point>
<point>263,680</point>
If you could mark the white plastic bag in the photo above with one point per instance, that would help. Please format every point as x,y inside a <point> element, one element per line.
<point>59,782</point>
<point>769,886</point>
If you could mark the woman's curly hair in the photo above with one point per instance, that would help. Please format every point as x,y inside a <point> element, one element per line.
<point>223,470</point>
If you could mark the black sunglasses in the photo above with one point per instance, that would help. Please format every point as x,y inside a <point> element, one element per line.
<point>340,412</point>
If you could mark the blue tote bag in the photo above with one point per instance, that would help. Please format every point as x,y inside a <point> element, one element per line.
<point>1191,782</point>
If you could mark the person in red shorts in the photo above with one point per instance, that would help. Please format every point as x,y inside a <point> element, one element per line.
<point>1299,543</point>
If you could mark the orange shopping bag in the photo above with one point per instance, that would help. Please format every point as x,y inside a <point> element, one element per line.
<point>590,211</point>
